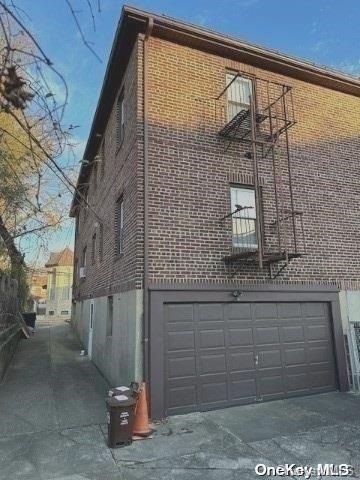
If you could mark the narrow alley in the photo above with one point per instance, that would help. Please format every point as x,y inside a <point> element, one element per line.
<point>51,409</point>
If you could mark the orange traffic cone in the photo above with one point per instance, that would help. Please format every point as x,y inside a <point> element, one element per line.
<point>141,424</point>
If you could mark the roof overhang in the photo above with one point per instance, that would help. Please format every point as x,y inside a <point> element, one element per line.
<point>134,21</point>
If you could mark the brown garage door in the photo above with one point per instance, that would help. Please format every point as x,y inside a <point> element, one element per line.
<point>222,354</point>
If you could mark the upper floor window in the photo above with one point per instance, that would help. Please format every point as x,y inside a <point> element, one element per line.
<point>84,257</point>
<point>243,207</point>
<point>238,94</point>
<point>120,119</point>
<point>119,226</point>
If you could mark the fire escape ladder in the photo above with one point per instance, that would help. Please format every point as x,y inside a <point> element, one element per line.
<point>264,122</point>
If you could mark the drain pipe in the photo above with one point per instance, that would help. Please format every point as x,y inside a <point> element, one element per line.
<point>146,315</point>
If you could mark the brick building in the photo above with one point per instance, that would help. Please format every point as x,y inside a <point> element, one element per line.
<point>217,245</point>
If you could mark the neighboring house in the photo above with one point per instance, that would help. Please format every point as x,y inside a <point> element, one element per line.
<point>59,284</point>
<point>37,280</point>
<point>217,219</point>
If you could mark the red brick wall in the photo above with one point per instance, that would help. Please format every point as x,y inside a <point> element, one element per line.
<point>190,174</point>
<point>115,273</point>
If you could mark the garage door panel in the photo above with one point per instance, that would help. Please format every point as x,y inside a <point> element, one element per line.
<point>182,340</point>
<point>240,361</point>
<point>244,388</point>
<point>295,356</point>
<point>240,337</point>
<point>213,392</point>
<point>322,378</point>
<point>210,312</point>
<point>269,359</point>
<point>212,338</point>
<point>317,332</point>
<point>239,311</point>
<point>212,363</point>
<point>320,353</point>
<point>314,309</point>
<point>289,310</point>
<point>179,313</point>
<point>271,385</point>
<point>181,367</point>
<point>264,311</point>
<point>292,333</point>
<point>182,396</point>
<point>267,335</point>
<point>296,382</point>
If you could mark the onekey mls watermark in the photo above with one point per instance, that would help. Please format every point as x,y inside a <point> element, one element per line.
<point>305,471</point>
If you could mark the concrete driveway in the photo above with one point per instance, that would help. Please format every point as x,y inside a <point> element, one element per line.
<point>52,427</point>
<point>228,444</point>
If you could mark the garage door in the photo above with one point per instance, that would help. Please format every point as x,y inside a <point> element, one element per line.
<point>222,354</point>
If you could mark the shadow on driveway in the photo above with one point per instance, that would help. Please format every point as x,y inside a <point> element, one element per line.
<point>52,426</point>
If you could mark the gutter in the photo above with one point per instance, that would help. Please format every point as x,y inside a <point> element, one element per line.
<point>146,328</point>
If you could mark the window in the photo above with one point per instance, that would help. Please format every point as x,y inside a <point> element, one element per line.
<point>93,249</point>
<point>120,119</point>
<point>51,312</point>
<point>101,242</point>
<point>64,312</point>
<point>102,158</point>
<point>109,316</point>
<point>244,219</point>
<point>238,94</point>
<point>84,257</point>
<point>119,226</point>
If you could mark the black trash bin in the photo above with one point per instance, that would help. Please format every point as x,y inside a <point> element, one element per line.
<point>29,319</point>
<point>120,420</point>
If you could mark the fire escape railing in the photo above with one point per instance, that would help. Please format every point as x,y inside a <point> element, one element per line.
<point>264,124</point>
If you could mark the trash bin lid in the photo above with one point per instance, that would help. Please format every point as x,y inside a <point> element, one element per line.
<point>114,402</point>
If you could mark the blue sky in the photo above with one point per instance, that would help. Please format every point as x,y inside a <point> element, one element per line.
<point>323,31</point>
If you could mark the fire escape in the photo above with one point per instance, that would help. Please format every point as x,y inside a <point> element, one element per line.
<point>256,115</point>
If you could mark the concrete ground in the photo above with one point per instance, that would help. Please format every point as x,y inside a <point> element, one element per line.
<point>52,427</point>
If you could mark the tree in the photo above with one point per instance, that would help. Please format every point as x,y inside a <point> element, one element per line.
<point>34,187</point>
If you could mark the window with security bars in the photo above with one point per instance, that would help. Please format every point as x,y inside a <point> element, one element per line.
<point>238,94</point>
<point>243,210</point>
<point>120,119</point>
